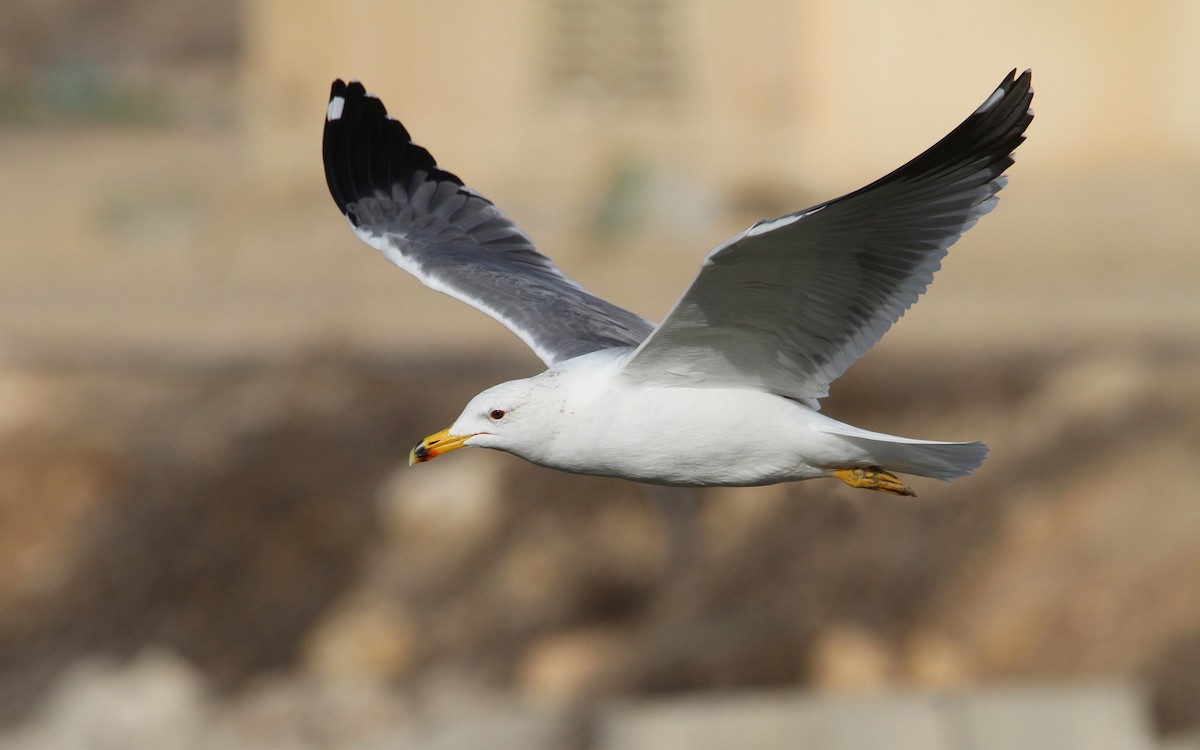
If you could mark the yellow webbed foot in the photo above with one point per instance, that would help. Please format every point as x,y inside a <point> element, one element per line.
<point>873,478</point>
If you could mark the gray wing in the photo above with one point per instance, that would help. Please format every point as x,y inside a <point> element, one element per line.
<point>453,239</point>
<point>790,303</point>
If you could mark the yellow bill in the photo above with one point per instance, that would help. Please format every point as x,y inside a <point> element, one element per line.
<point>435,445</point>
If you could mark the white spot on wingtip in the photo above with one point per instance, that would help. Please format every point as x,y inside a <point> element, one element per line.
<point>336,104</point>
<point>991,101</point>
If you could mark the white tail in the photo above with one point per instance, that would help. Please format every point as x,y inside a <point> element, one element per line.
<point>922,458</point>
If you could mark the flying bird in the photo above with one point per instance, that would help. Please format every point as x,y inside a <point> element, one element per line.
<point>725,390</point>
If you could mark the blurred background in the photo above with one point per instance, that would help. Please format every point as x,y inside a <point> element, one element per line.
<point>208,387</point>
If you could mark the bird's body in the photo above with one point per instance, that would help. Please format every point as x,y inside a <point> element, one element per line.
<point>694,436</point>
<point>724,391</point>
<point>691,436</point>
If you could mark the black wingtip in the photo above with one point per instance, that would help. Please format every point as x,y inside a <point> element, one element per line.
<point>996,127</point>
<point>1012,84</point>
<point>365,151</point>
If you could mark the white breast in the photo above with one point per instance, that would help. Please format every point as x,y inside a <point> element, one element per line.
<point>609,425</point>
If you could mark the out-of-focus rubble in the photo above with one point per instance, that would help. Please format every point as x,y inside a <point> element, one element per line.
<point>239,554</point>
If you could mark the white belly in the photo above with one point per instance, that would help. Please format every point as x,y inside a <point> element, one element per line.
<point>695,436</point>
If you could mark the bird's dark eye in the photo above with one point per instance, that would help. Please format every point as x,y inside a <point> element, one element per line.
<point>496,414</point>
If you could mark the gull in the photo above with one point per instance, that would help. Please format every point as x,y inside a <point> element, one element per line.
<point>724,391</point>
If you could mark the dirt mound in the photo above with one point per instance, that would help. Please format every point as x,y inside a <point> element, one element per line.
<point>257,519</point>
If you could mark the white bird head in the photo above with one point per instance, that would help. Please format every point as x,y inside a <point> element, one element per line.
<point>508,417</point>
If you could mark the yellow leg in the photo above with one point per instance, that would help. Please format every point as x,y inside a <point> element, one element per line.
<point>873,478</point>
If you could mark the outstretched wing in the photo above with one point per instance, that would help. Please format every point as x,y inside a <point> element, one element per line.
<point>453,239</point>
<point>790,303</point>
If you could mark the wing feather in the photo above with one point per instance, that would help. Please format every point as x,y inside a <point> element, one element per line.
<point>790,303</point>
<point>454,240</point>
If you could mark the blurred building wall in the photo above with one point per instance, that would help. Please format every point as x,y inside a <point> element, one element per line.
<point>720,98</point>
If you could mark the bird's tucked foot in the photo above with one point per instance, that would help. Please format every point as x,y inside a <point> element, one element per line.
<point>873,478</point>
